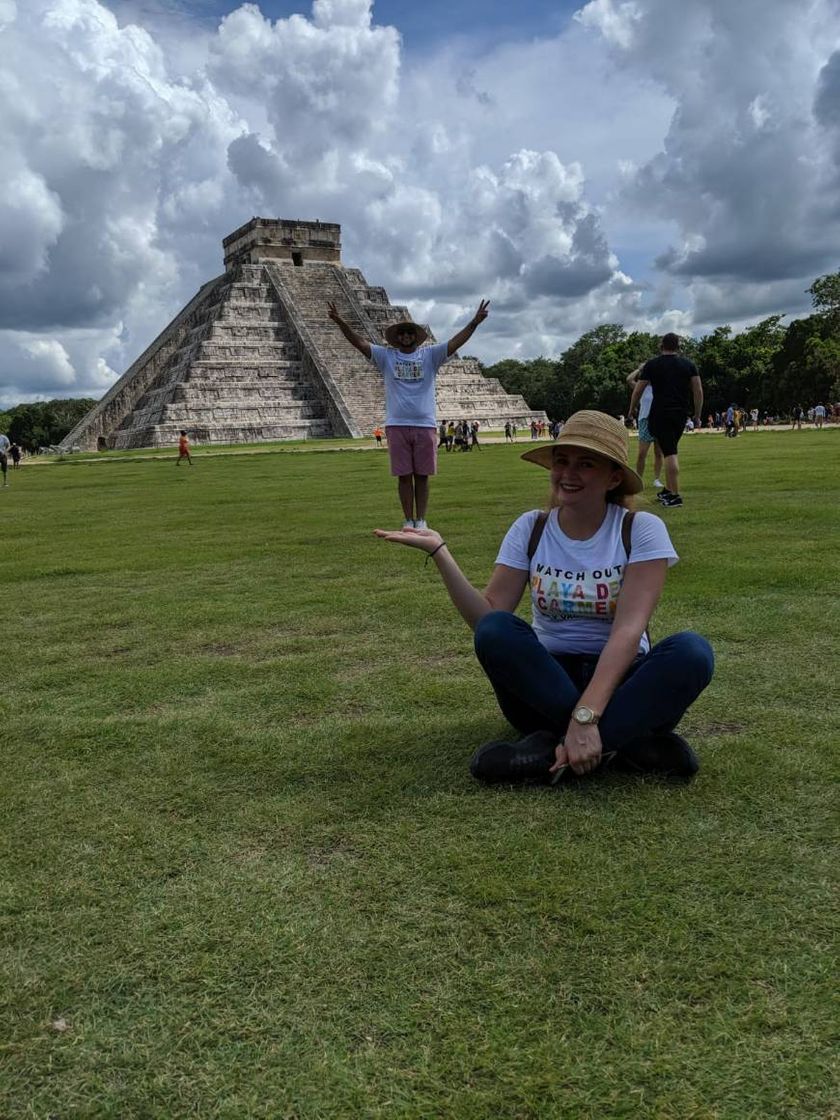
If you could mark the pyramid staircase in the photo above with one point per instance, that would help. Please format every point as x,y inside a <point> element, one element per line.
<point>236,376</point>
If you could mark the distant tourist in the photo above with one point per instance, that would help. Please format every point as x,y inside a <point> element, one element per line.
<point>508,434</point>
<point>184,448</point>
<point>443,440</point>
<point>5,444</point>
<point>15,454</point>
<point>645,438</point>
<point>474,435</point>
<point>409,370</point>
<point>377,435</point>
<point>581,683</point>
<point>796,417</point>
<point>677,394</point>
<point>819,416</point>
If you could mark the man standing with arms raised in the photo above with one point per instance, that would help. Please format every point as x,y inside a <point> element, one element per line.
<point>409,370</point>
<point>677,395</point>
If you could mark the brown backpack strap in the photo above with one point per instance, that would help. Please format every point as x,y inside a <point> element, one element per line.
<point>626,530</point>
<point>536,534</point>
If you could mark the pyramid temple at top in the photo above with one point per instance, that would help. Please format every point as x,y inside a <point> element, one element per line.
<point>253,356</point>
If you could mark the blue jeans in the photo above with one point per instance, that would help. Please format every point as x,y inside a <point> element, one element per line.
<point>538,690</point>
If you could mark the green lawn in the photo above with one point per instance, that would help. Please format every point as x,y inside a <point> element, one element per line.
<point>246,872</point>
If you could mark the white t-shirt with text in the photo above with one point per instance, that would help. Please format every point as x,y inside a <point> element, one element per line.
<point>575,584</point>
<point>410,383</point>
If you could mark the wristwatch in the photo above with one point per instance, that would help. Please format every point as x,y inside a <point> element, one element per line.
<point>585,716</point>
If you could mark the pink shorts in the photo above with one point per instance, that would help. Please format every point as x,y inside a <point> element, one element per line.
<point>412,450</point>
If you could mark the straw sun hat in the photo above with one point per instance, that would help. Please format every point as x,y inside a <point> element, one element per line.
<point>391,333</point>
<point>593,431</point>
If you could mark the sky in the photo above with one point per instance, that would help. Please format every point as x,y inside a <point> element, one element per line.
<point>664,166</point>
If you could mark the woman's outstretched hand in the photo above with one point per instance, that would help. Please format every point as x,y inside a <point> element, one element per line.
<point>427,540</point>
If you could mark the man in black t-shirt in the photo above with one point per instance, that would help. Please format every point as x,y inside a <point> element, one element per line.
<point>677,395</point>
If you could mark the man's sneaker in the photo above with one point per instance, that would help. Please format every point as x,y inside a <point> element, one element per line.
<point>663,495</point>
<point>529,760</point>
<point>419,523</point>
<point>408,523</point>
<point>673,500</point>
<point>659,485</point>
<point>667,753</point>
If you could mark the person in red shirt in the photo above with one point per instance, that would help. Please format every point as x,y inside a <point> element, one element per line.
<point>184,448</point>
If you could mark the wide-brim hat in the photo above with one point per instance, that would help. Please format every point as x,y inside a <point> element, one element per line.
<point>420,333</point>
<point>593,431</point>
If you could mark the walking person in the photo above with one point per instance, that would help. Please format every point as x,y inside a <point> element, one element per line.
<point>14,455</point>
<point>474,435</point>
<point>5,445</point>
<point>645,438</point>
<point>184,448</point>
<point>677,395</point>
<point>409,370</point>
<point>582,682</point>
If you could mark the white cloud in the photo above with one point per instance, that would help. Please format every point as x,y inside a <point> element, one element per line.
<point>50,362</point>
<point>658,164</point>
<point>615,21</point>
<point>743,170</point>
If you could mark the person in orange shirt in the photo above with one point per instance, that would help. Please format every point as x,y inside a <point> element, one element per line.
<point>378,434</point>
<point>184,448</point>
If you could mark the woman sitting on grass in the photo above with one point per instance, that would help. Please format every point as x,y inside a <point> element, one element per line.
<point>581,683</point>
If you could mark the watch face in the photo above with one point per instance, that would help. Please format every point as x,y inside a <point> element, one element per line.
<point>584,715</point>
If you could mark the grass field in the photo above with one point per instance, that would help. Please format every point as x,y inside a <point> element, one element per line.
<point>246,872</point>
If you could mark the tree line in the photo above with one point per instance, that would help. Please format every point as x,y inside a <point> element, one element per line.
<point>43,423</point>
<point>768,366</point>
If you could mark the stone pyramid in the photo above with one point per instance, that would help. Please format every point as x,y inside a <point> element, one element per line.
<point>253,356</point>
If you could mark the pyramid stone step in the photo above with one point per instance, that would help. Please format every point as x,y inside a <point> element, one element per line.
<point>235,331</point>
<point>167,435</point>
<point>236,412</point>
<point>251,394</point>
<point>240,351</point>
<point>194,394</point>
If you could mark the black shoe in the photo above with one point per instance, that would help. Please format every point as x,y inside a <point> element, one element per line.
<point>672,500</point>
<point>663,496</point>
<point>529,760</point>
<point>667,753</point>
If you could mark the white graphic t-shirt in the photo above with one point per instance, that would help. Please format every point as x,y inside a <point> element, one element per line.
<point>410,383</point>
<point>575,584</point>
